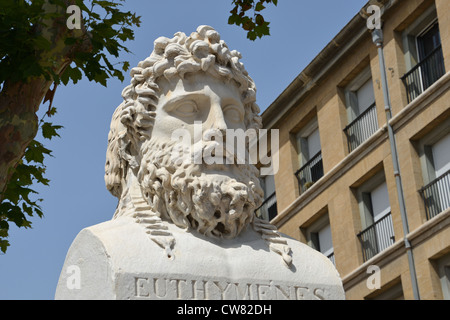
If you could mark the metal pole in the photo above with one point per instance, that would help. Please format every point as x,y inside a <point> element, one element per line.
<point>378,39</point>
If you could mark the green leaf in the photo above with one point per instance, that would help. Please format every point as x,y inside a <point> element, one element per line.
<point>4,244</point>
<point>126,66</point>
<point>4,225</point>
<point>251,35</point>
<point>49,130</point>
<point>255,24</point>
<point>259,19</point>
<point>70,41</point>
<point>75,75</point>
<point>51,112</point>
<point>259,7</point>
<point>34,154</point>
<point>42,43</point>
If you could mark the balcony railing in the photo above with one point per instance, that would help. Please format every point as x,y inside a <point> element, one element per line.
<point>331,257</point>
<point>310,172</point>
<point>268,209</point>
<point>360,129</point>
<point>424,74</point>
<point>377,237</point>
<point>436,195</point>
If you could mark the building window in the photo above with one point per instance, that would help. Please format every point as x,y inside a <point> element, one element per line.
<point>423,54</point>
<point>268,209</point>
<point>361,110</point>
<point>376,218</point>
<point>388,292</point>
<point>318,236</point>
<point>310,156</point>
<point>434,152</point>
<point>443,270</point>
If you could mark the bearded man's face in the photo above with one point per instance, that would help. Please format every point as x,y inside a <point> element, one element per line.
<point>214,199</point>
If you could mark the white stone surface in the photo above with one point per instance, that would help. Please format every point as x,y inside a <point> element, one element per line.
<point>116,260</point>
<point>185,229</point>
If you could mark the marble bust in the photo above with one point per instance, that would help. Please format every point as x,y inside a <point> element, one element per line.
<point>187,229</point>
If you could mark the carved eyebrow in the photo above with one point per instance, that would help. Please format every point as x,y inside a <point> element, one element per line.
<point>172,103</point>
<point>232,101</point>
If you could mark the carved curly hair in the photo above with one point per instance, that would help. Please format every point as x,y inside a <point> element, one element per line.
<point>202,51</point>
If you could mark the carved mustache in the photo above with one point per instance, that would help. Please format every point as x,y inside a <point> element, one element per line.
<point>213,152</point>
<point>216,150</point>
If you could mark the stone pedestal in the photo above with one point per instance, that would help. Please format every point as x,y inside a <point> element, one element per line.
<point>117,260</point>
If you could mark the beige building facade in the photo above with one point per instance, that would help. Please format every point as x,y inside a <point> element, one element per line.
<point>337,188</point>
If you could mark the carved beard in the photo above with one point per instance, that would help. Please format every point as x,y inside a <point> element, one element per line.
<point>215,200</point>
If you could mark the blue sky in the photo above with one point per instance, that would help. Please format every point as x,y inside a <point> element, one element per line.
<point>77,197</point>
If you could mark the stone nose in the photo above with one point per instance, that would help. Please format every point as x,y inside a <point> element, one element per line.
<point>216,119</point>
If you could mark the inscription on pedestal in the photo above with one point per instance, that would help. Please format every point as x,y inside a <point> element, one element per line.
<point>153,287</point>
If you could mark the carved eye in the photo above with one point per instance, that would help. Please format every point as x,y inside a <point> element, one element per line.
<point>186,109</point>
<point>233,113</point>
